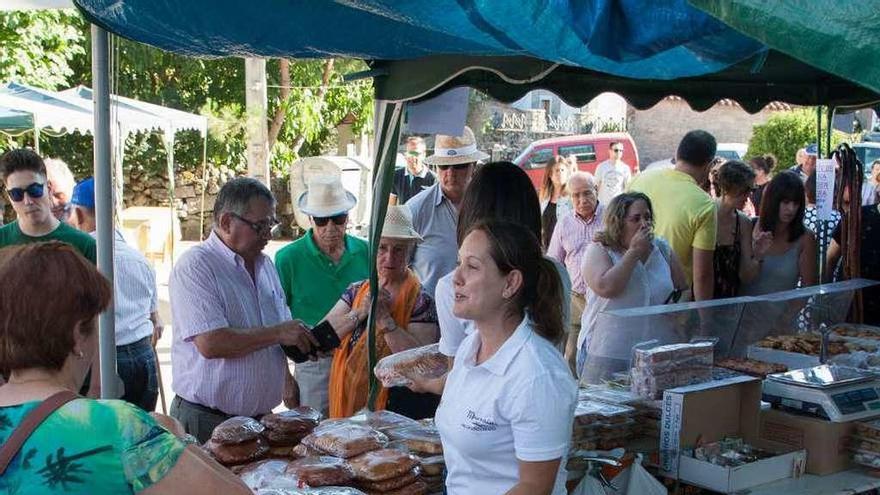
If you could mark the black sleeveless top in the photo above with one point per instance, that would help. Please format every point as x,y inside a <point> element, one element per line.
<point>726,264</point>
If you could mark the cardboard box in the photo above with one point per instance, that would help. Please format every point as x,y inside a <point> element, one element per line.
<point>733,479</point>
<point>824,441</point>
<point>707,412</point>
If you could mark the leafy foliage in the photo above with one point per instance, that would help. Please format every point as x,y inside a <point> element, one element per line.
<point>39,46</point>
<point>786,132</point>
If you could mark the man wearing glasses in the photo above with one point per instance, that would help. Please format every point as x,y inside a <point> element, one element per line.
<point>415,177</point>
<point>316,269</point>
<point>24,174</point>
<point>613,174</point>
<point>230,317</point>
<point>435,210</point>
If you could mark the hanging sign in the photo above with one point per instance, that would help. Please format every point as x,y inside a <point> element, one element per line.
<point>825,188</point>
<point>443,114</point>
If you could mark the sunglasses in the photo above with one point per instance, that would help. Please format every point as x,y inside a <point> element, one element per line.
<point>34,190</point>
<point>617,150</point>
<point>337,219</point>
<point>261,228</point>
<point>457,166</point>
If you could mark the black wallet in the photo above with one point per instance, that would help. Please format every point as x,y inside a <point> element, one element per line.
<point>327,341</point>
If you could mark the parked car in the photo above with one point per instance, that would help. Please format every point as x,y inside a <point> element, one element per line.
<point>731,151</point>
<point>590,150</point>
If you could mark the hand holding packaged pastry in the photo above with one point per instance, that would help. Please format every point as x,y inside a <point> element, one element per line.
<point>397,370</point>
<point>345,440</point>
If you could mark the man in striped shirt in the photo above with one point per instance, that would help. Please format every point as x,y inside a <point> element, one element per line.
<point>229,317</point>
<point>135,306</point>
<point>573,233</point>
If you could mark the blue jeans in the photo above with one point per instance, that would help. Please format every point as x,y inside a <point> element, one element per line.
<point>137,367</point>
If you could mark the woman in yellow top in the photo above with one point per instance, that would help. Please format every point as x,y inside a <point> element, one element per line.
<point>405,318</point>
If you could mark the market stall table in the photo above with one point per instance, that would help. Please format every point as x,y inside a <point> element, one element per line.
<point>844,483</point>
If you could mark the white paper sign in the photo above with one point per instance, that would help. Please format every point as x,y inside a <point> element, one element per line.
<point>443,114</point>
<point>670,433</point>
<point>825,188</point>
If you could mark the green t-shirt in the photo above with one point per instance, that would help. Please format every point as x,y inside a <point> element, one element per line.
<point>312,283</point>
<point>11,235</point>
<point>88,447</point>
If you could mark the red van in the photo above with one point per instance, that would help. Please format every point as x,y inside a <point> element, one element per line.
<point>590,149</point>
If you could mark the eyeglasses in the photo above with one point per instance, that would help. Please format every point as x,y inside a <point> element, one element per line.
<point>617,150</point>
<point>457,166</point>
<point>261,228</point>
<point>337,219</point>
<point>34,190</point>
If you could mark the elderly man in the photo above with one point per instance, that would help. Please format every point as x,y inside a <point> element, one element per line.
<point>806,161</point>
<point>435,210</point>
<point>316,269</point>
<point>61,182</point>
<point>572,235</point>
<point>135,306</point>
<point>415,177</point>
<point>229,317</point>
<point>684,213</point>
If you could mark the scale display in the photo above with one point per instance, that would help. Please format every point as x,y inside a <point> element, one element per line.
<point>836,393</point>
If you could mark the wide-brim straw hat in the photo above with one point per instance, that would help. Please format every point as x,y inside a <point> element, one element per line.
<point>325,197</point>
<point>399,224</point>
<point>453,150</point>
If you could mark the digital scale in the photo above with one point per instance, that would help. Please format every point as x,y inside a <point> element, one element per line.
<point>837,393</point>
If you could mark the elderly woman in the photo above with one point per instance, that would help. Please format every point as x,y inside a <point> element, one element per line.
<point>735,260</point>
<point>627,267</point>
<point>508,403</point>
<point>49,299</point>
<point>405,318</point>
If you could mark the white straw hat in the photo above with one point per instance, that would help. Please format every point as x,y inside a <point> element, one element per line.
<point>325,197</point>
<point>453,150</point>
<point>399,224</point>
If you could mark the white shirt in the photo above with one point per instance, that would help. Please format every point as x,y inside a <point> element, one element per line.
<point>134,293</point>
<point>517,405</point>
<point>649,285</point>
<point>453,330</point>
<point>612,180</point>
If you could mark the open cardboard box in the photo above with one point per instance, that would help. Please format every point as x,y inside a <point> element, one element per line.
<point>707,412</point>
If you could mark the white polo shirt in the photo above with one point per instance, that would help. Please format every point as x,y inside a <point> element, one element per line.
<point>518,405</point>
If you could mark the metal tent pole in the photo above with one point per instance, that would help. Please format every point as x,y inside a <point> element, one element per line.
<point>104,204</point>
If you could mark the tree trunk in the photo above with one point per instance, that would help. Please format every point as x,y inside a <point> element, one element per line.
<point>280,110</point>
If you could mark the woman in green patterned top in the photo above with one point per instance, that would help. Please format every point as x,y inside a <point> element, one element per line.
<point>49,298</point>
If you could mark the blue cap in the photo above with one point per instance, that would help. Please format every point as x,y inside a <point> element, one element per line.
<point>812,149</point>
<point>84,194</point>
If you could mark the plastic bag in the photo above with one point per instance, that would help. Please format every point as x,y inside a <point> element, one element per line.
<point>383,464</point>
<point>259,474</point>
<point>287,428</point>
<point>589,412</point>
<point>237,429</point>
<point>418,438</point>
<point>383,420</point>
<point>397,369</point>
<point>345,439</point>
<point>321,471</point>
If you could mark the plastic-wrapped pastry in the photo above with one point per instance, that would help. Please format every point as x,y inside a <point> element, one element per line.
<point>383,464</point>
<point>382,420</point>
<point>423,439</point>
<point>238,453</point>
<point>417,488</point>
<point>237,429</point>
<point>426,362</point>
<point>433,465</point>
<point>321,471</point>
<point>345,440</point>
<point>406,478</point>
<point>289,427</point>
<point>258,474</point>
<point>303,450</point>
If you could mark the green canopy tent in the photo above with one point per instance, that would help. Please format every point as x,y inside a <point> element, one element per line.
<point>15,122</point>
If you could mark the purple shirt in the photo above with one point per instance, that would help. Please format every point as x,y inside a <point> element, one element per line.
<point>569,243</point>
<point>210,288</point>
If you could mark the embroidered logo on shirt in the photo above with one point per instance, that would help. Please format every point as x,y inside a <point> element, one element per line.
<point>479,424</point>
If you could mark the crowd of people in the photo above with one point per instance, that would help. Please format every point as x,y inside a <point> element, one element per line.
<point>512,282</point>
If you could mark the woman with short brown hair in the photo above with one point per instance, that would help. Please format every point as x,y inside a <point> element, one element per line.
<point>49,299</point>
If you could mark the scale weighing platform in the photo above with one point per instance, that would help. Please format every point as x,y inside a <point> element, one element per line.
<point>836,393</point>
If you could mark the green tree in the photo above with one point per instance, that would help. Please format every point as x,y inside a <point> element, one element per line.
<point>786,132</point>
<point>39,46</point>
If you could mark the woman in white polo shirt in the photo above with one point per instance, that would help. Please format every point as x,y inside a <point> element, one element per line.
<point>508,404</point>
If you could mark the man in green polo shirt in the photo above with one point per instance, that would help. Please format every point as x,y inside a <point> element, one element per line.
<point>24,174</point>
<point>316,269</point>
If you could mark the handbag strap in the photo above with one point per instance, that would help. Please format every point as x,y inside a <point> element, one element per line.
<point>30,423</point>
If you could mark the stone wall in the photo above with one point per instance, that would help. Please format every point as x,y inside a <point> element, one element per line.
<point>143,189</point>
<point>658,129</point>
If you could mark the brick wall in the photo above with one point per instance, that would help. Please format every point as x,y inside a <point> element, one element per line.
<point>658,129</point>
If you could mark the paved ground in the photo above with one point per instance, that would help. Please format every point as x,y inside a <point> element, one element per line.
<point>164,347</point>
